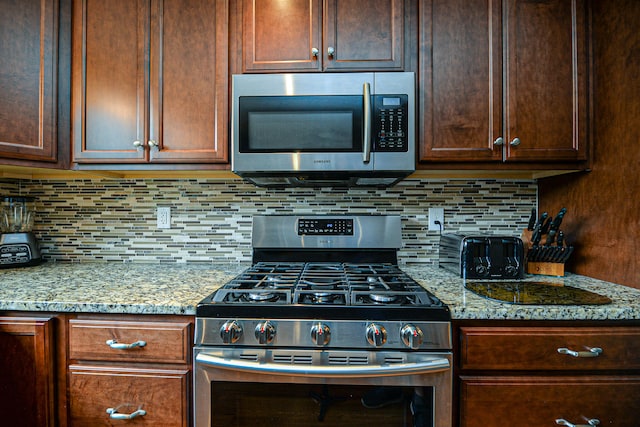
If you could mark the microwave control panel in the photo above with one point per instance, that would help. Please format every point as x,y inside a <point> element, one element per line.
<point>391,125</point>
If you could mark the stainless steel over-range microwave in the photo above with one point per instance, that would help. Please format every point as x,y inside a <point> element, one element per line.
<point>352,129</point>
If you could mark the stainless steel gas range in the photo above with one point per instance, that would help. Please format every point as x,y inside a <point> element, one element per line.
<point>324,327</point>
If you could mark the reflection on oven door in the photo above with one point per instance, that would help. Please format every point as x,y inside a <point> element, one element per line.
<point>237,404</point>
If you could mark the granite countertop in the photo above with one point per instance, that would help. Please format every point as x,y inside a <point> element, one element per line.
<point>176,289</point>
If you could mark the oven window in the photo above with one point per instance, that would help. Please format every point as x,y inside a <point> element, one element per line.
<point>301,405</point>
<point>300,123</point>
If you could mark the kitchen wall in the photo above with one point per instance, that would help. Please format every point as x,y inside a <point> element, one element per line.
<point>603,218</point>
<point>104,220</point>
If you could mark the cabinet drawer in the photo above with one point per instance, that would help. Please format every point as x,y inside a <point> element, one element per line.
<point>164,342</point>
<point>518,348</point>
<point>539,401</point>
<point>159,393</point>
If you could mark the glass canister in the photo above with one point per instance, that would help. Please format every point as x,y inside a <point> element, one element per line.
<point>17,214</point>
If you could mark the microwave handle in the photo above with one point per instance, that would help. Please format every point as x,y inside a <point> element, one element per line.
<point>366,137</point>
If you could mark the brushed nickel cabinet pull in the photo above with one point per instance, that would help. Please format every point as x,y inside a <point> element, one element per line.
<point>113,414</point>
<point>592,422</point>
<point>593,352</point>
<point>121,346</point>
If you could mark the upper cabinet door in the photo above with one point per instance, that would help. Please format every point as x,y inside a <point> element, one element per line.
<point>150,81</point>
<point>546,80</point>
<point>189,81</point>
<point>460,80</point>
<point>363,35</point>
<point>329,35</point>
<point>28,79</point>
<point>503,81</point>
<point>282,35</point>
<point>109,103</point>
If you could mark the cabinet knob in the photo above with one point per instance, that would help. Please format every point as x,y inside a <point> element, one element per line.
<point>315,52</point>
<point>515,142</point>
<point>592,422</point>
<point>113,414</point>
<point>331,51</point>
<point>153,143</point>
<point>499,141</point>
<point>138,144</point>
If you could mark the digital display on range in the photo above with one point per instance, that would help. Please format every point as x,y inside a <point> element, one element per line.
<point>334,227</point>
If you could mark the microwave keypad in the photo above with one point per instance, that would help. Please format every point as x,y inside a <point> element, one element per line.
<point>391,123</point>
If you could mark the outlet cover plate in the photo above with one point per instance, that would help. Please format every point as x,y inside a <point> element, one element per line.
<point>436,214</point>
<point>164,217</point>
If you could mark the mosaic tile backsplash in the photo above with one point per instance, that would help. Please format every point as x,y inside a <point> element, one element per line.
<point>115,220</point>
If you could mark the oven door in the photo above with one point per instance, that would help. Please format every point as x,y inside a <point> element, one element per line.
<point>248,387</point>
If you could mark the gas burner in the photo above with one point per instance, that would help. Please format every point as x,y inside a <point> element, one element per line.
<point>262,296</point>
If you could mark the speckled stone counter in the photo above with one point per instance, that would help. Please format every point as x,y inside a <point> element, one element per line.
<point>465,304</point>
<point>176,289</point>
<point>111,287</point>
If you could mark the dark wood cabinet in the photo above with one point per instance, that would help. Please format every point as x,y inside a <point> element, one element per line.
<point>150,81</point>
<point>27,387</point>
<point>323,35</point>
<point>503,81</point>
<point>136,366</point>
<point>28,79</point>
<point>510,375</point>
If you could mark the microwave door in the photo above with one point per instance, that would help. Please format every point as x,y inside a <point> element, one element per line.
<point>304,133</point>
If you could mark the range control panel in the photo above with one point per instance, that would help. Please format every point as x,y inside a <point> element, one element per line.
<point>334,227</point>
<point>391,123</point>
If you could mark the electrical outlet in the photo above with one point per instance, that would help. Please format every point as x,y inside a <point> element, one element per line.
<point>436,214</point>
<point>164,217</point>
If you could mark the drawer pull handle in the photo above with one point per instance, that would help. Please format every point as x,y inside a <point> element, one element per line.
<point>592,422</point>
<point>113,414</point>
<point>593,352</point>
<point>118,346</point>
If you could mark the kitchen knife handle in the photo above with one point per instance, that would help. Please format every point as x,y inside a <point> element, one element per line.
<point>592,422</point>
<point>593,352</point>
<point>532,220</point>
<point>366,138</point>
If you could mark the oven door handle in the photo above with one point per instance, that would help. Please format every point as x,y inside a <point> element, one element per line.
<point>391,369</point>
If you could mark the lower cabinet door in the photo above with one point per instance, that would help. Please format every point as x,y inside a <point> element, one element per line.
<point>544,401</point>
<point>111,396</point>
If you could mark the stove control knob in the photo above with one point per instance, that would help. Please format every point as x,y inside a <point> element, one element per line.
<point>376,334</point>
<point>320,334</point>
<point>265,332</point>
<point>412,336</point>
<point>230,332</point>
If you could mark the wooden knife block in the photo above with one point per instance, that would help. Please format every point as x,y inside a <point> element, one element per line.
<point>542,268</point>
